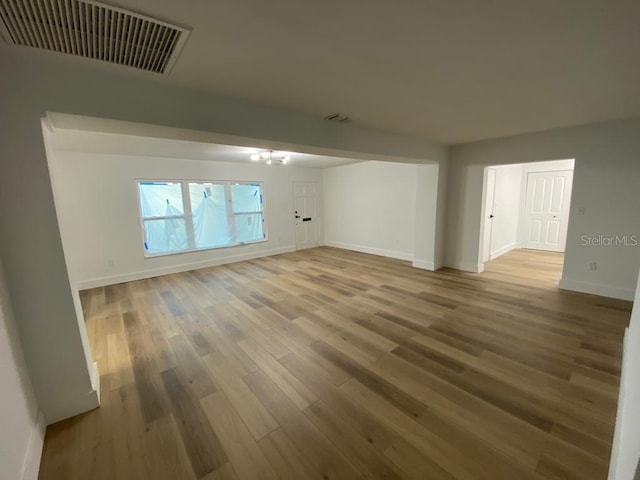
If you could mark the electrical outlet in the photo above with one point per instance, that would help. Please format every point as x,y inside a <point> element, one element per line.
<point>593,266</point>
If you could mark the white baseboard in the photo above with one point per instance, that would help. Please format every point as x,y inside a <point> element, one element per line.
<point>466,266</point>
<point>424,265</point>
<point>31,466</point>
<point>374,251</point>
<point>501,251</point>
<point>184,267</point>
<point>597,289</point>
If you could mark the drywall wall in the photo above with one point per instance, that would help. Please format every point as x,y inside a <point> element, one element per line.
<point>22,431</point>
<point>97,205</point>
<point>625,453</point>
<point>441,214</point>
<point>506,210</point>
<point>428,219</point>
<point>371,207</point>
<point>604,201</point>
<point>50,327</point>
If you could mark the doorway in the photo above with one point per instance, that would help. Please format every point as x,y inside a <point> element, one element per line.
<point>305,202</point>
<point>526,206</point>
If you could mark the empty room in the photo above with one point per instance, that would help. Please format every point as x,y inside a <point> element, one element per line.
<point>319,240</point>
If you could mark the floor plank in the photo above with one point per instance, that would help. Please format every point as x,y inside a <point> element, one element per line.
<point>331,364</point>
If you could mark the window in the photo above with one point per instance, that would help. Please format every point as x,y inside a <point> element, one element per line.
<point>185,216</point>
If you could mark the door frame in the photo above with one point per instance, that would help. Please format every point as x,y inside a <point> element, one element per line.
<point>488,207</point>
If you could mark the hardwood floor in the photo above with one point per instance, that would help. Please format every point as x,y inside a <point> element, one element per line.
<point>332,364</point>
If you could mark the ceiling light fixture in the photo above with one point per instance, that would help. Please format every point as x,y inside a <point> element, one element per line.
<point>269,156</point>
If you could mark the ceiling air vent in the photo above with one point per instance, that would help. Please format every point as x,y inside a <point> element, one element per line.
<point>337,117</point>
<point>93,30</point>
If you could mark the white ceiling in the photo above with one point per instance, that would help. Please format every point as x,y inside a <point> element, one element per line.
<point>446,70</point>
<point>118,144</point>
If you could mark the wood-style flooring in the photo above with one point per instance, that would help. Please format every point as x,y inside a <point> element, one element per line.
<point>331,364</point>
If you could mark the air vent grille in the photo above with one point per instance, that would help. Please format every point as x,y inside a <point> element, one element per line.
<point>92,30</point>
<point>338,117</point>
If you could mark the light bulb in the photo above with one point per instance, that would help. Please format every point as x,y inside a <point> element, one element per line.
<point>264,155</point>
<point>268,161</point>
<point>255,157</point>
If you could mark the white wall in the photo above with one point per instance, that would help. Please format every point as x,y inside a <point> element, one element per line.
<point>441,208</point>
<point>428,252</point>
<point>390,209</point>
<point>626,441</point>
<point>605,199</point>
<point>97,205</point>
<point>22,430</point>
<point>371,207</point>
<point>50,330</point>
<point>506,210</point>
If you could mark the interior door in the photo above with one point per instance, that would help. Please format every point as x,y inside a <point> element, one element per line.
<point>489,199</point>
<point>547,210</point>
<point>305,213</point>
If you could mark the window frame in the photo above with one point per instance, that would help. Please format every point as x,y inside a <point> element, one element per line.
<point>188,212</point>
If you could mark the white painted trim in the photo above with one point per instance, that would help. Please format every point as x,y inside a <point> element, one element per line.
<point>94,375</point>
<point>374,251</point>
<point>467,267</point>
<point>424,265</point>
<point>615,448</point>
<point>185,267</point>
<point>67,408</point>
<point>31,466</point>
<point>311,245</point>
<point>501,251</point>
<point>596,289</point>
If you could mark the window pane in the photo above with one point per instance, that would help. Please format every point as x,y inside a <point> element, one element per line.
<point>165,235</point>
<point>211,226</point>
<point>246,198</point>
<point>214,221</point>
<point>160,199</point>
<point>198,192</point>
<point>249,227</point>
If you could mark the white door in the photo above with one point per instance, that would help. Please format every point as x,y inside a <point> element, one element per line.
<point>546,215</point>
<point>305,211</point>
<point>489,201</point>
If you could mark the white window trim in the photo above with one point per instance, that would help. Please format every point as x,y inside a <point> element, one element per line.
<point>188,214</point>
